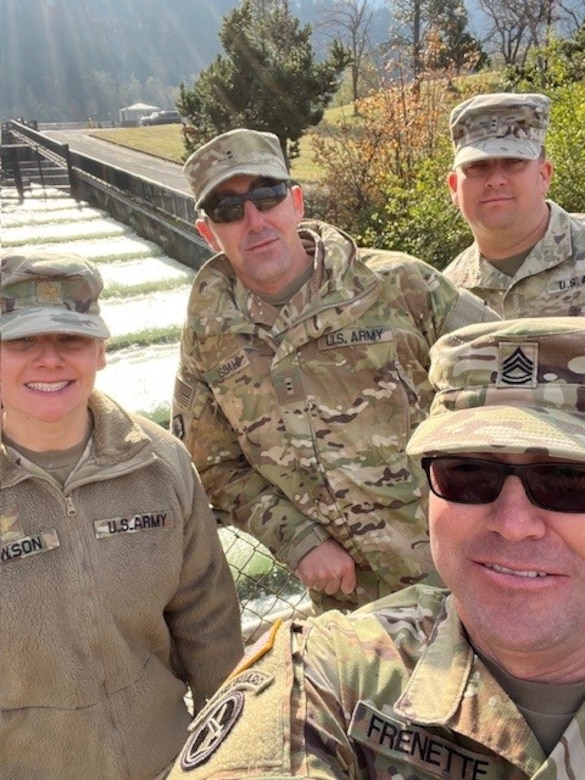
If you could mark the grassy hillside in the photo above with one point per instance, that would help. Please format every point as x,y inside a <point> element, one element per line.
<point>165,141</point>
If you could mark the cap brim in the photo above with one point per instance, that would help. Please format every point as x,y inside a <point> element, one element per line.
<point>22,324</point>
<point>507,148</point>
<point>516,430</point>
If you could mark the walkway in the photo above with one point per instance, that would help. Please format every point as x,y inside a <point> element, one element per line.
<point>156,169</point>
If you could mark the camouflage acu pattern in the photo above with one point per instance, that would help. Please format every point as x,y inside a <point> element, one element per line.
<point>391,692</point>
<point>297,419</point>
<point>44,292</point>
<point>516,386</point>
<point>501,124</point>
<point>549,283</point>
<point>236,153</point>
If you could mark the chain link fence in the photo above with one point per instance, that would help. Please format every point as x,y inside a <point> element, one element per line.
<point>266,588</point>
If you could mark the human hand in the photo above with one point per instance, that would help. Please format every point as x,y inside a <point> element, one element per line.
<point>327,567</point>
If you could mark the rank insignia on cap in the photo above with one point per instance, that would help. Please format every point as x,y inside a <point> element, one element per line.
<point>210,733</point>
<point>49,292</point>
<point>518,365</point>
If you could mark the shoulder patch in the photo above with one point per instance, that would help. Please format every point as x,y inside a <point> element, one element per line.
<point>211,732</point>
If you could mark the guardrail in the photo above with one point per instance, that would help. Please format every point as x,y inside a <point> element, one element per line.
<point>158,213</point>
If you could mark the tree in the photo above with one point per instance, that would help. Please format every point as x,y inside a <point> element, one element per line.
<point>419,24</point>
<point>268,78</point>
<point>457,48</point>
<point>354,18</point>
<point>515,27</point>
<point>561,61</point>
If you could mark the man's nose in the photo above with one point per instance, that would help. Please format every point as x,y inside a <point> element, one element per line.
<point>514,516</point>
<point>253,215</point>
<point>497,173</point>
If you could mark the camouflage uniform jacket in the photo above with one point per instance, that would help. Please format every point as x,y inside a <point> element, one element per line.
<point>115,594</point>
<point>297,419</point>
<point>549,283</point>
<point>393,691</point>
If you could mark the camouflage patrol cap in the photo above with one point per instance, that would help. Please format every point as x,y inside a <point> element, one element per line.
<point>501,124</point>
<point>236,153</point>
<point>45,292</point>
<point>514,386</point>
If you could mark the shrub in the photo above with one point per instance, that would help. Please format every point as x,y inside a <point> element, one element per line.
<point>385,172</point>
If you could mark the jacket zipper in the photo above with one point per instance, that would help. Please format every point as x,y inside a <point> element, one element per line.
<point>70,504</point>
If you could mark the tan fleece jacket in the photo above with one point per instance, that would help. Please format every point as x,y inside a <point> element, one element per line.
<point>115,593</point>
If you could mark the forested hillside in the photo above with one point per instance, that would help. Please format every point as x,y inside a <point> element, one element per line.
<point>67,59</point>
<point>70,59</point>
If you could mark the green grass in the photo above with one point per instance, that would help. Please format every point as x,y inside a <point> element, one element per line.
<point>165,141</point>
<point>160,140</point>
<point>160,415</point>
<point>146,337</point>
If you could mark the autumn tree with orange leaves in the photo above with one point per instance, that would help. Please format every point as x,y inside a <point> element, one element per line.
<point>386,168</point>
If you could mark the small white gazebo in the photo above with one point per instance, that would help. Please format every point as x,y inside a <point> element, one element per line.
<point>131,115</point>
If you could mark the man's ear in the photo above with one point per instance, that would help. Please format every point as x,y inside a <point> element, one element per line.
<point>298,201</point>
<point>207,233</point>
<point>452,184</point>
<point>546,172</point>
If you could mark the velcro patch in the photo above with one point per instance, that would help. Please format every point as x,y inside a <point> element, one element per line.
<point>518,365</point>
<point>227,369</point>
<point>159,519</point>
<point>290,386</point>
<point>412,745</point>
<point>49,291</point>
<point>567,284</point>
<point>353,337</point>
<point>178,426</point>
<point>183,393</point>
<point>253,681</point>
<point>27,546</point>
<point>247,721</point>
<point>10,525</point>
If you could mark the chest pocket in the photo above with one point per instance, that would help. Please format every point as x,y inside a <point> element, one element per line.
<point>242,387</point>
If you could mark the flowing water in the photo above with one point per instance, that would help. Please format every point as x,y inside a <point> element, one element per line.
<point>145,292</point>
<point>144,304</point>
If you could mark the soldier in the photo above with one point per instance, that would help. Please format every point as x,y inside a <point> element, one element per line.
<point>484,680</point>
<point>115,590</point>
<point>303,371</point>
<point>528,258</point>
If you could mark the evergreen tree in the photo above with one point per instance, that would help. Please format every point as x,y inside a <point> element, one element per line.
<point>268,78</point>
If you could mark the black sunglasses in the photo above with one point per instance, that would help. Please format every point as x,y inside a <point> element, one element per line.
<point>556,486</point>
<point>230,208</point>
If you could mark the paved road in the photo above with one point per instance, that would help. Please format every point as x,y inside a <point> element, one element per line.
<point>145,165</point>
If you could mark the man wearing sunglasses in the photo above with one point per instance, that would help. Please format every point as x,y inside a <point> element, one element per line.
<point>486,679</point>
<point>303,371</point>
